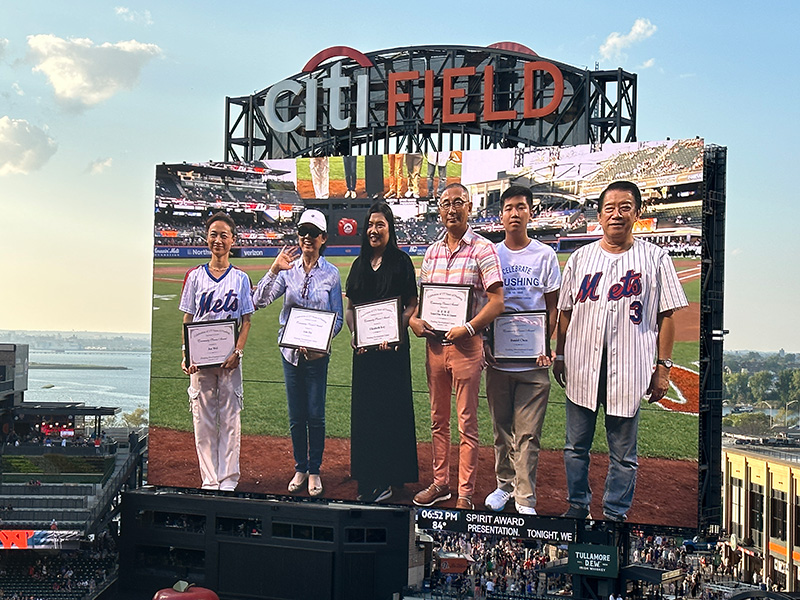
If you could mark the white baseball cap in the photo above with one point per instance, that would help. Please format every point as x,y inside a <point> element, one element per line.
<point>314,217</point>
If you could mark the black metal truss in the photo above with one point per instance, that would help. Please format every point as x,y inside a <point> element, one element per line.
<point>711,336</point>
<point>597,107</point>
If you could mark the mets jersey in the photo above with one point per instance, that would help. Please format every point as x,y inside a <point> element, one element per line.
<point>615,301</point>
<point>208,298</point>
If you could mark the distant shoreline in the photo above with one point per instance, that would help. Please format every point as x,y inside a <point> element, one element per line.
<point>36,365</point>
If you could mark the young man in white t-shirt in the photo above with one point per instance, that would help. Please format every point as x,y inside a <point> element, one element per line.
<point>518,391</point>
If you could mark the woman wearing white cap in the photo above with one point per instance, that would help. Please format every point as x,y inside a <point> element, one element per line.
<point>311,282</point>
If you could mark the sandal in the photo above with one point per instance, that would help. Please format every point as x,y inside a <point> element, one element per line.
<point>297,481</point>
<point>314,485</point>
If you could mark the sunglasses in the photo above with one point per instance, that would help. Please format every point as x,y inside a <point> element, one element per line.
<point>311,232</point>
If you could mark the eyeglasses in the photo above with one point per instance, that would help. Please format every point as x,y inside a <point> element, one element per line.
<point>306,281</point>
<point>458,203</point>
<point>311,232</point>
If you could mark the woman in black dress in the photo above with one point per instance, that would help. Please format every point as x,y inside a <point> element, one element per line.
<point>383,445</point>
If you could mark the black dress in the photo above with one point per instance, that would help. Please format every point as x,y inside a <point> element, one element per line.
<point>383,444</point>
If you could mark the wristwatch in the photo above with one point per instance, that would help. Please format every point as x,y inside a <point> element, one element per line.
<point>667,362</point>
<point>238,352</point>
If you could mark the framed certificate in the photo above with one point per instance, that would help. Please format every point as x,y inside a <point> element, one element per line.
<point>308,328</point>
<point>376,322</point>
<point>444,305</point>
<point>209,343</point>
<point>520,335</point>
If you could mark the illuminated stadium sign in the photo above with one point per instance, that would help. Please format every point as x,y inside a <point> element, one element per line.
<point>419,98</point>
<point>31,539</point>
<point>450,89</point>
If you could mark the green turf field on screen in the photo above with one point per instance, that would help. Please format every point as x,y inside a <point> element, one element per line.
<point>662,433</point>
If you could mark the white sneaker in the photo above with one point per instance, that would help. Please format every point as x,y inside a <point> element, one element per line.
<point>497,500</point>
<point>524,510</point>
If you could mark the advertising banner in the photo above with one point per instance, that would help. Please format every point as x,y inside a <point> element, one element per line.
<point>593,560</point>
<point>32,539</point>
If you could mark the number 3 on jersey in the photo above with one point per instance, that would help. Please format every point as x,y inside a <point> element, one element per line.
<point>636,312</point>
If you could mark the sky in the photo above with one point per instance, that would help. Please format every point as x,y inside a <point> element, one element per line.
<point>93,95</point>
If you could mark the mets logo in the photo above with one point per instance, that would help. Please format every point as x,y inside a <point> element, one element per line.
<point>629,285</point>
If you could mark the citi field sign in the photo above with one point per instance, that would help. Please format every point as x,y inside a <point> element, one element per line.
<point>360,91</point>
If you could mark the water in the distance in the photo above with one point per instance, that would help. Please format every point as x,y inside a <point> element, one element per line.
<point>128,389</point>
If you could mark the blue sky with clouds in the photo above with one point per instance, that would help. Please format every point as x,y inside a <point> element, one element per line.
<point>93,96</point>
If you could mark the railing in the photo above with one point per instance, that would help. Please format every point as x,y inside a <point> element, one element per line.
<point>114,484</point>
<point>39,449</point>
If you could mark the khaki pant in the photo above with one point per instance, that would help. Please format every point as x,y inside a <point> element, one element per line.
<point>517,403</point>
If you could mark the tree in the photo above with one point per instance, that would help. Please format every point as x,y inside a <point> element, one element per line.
<point>736,387</point>
<point>783,383</point>
<point>134,419</point>
<point>761,386</point>
<point>755,423</point>
<point>794,386</point>
<point>137,418</point>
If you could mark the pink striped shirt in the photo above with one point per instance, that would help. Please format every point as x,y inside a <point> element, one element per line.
<point>474,262</point>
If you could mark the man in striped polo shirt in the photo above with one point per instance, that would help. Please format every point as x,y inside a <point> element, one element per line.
<point>618,297</point>
<point>455,362</point>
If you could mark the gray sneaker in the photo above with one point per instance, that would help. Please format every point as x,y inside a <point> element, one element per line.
<point>616,518</point>
<point>577,512</point>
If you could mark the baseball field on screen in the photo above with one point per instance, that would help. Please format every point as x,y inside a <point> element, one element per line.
<point>664,432</point>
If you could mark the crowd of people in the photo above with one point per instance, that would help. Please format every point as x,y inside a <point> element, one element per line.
<point>497,566</point>
<point>503,567</point>
<point>30,574</point>
<point>682,156</point>
<point>683,249</point>
<point>33,437</point>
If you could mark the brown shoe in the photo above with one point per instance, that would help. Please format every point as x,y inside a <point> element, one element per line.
<point>465,503</point>
<point>432,494</point>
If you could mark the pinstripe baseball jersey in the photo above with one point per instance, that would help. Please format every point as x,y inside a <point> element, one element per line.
<point>474,262</point>
<point>615,300</point>
<point>207,298</point>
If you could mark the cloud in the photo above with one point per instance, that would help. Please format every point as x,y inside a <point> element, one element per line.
<point>84,74</point>
<point>648,63</point>
<point>98,166</point>
<point>3,46</point>
<point>617,42</point>
<point>23,147</point>
<point>133,16</point>
<point>17,90</point>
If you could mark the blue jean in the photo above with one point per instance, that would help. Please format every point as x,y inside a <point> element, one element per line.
<point>621,434</point>
<point>305,393</point>
<point>350,163</point>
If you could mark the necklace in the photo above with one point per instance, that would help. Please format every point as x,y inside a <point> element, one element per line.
<point>217,268</point>
<point>376,264</point>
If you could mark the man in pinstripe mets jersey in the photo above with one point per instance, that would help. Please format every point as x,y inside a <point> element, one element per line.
<point>614,346</point>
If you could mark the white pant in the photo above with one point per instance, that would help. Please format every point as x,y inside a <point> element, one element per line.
<point>320,175</point>
<point>215,399</point>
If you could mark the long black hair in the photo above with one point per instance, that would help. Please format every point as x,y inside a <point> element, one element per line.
<point>362,269</point>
